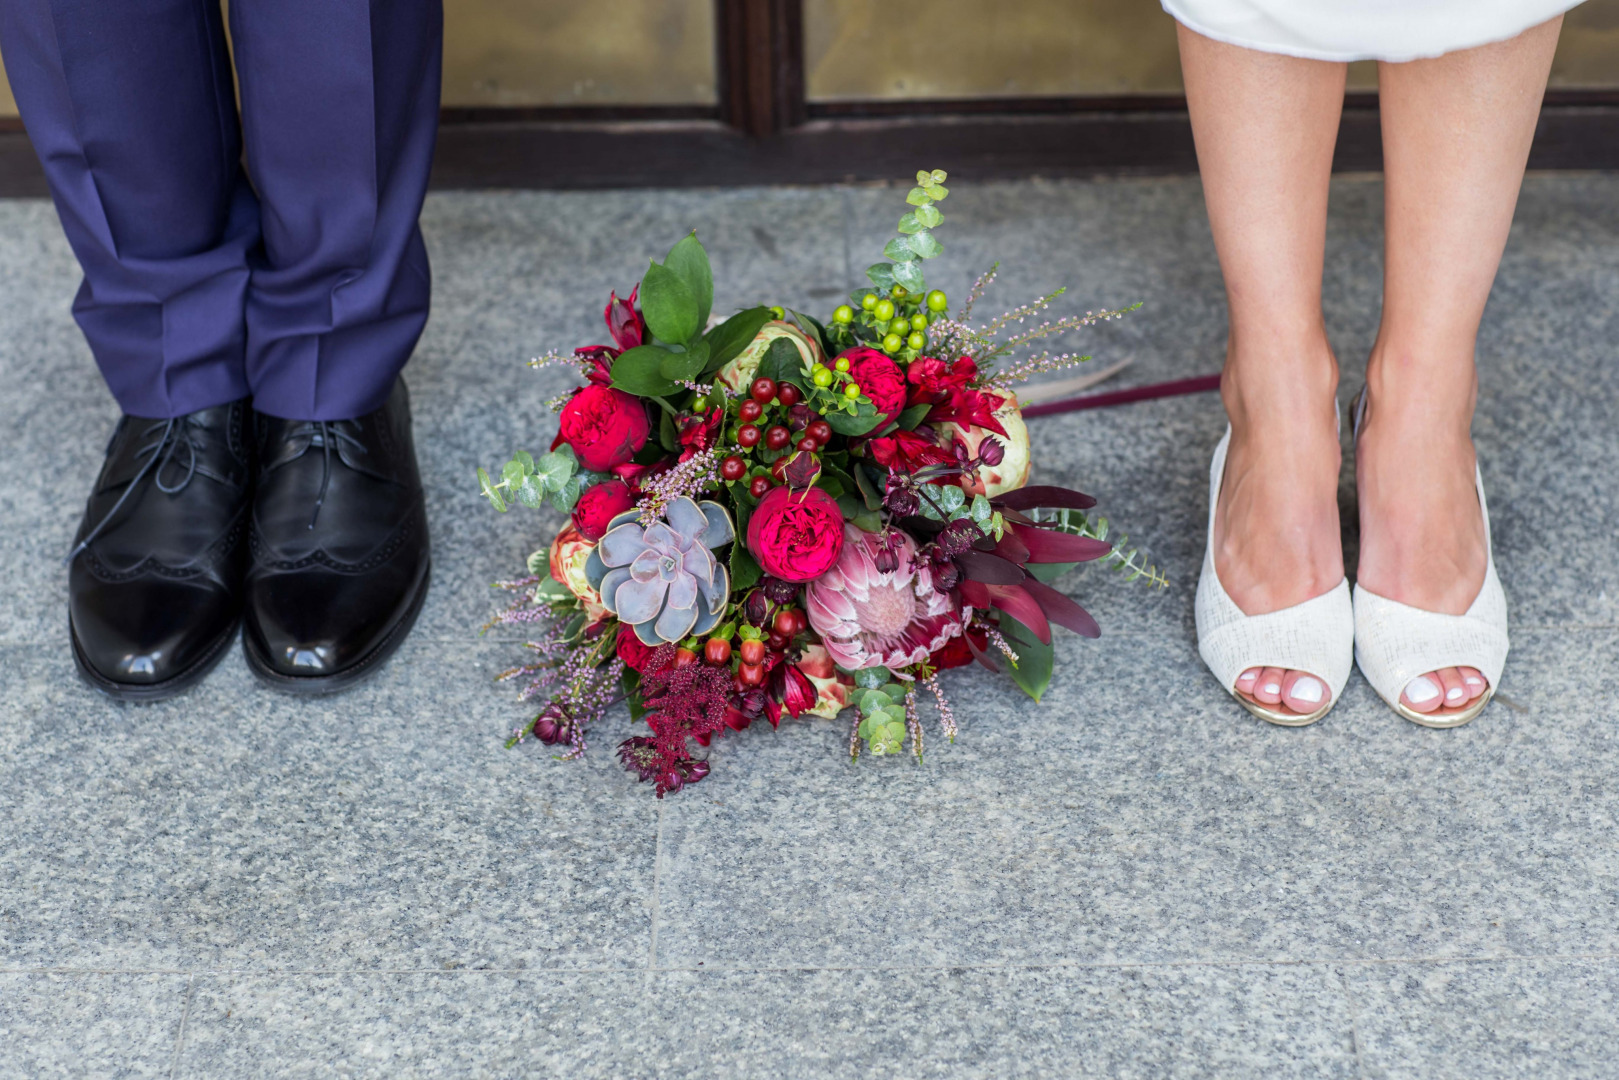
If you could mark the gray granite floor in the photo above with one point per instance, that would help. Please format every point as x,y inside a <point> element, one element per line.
<point>1135,879</point>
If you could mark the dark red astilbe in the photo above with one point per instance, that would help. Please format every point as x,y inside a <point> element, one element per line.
<point>682,702</point>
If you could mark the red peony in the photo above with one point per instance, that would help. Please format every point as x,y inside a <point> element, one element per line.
<point>604,426</point>
<point>630,650</point>
<point>600,504</point>
<point>879,379</point>
<point>796,535</point>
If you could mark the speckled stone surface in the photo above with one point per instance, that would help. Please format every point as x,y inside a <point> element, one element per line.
<point>1135,878</point>
<point>1254,1021</point>
<point>72,1024</point>
<point>1486,1019</point>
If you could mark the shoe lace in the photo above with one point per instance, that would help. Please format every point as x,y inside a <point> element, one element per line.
<point>172,435</point>
<point>328,433</point>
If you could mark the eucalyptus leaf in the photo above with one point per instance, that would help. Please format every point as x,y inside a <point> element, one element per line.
<point>881,275</point>
<point>897,250</point>
<point>918,197</point>
<point>668,305</point>
<point>524,458</point>
<point>487,488</point>
<point>513,473</point>
<point>911,223</point>
<point>539,565</point>
<point>849,506</point>
<point>924,243</point>
<point>874,701</point>
<point>689,262</point>
<point>668,438</point>
<point>872,677</point>
<point>566,496</point>
<point>867,522</point>
<point>531,492</point>
<point>553,469</point>
<point>909,274</point>
<point>928,215</point>
<point>936,192</point>
<point>639,371</point>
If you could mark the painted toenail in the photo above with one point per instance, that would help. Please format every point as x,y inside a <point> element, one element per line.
<point>1421,689</point>
<point>1273,688</point>
<point>1307,689</point>
<point>1473,680</point>
<point>1455,693</point>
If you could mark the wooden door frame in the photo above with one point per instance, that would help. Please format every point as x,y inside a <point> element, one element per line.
<point>763,130</point>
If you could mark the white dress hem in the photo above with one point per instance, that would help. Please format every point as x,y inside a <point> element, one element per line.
<point>1304,52</point>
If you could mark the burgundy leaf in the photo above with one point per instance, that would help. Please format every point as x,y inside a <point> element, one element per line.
<point>1017,603</point>
<point>1059,498</point>
<point>990,569</point>
<point>1012,547</point>
<point>1048,545</point>
<point>1062,610</point>
<point>975,593</point>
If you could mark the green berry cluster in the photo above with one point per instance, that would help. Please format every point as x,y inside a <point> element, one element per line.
<point>896,321</point>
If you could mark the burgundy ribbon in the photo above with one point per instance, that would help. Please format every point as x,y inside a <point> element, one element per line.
<point>1174,388</point>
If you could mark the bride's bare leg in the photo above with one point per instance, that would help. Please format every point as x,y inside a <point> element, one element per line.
<point>1456,134</point>
<point>1265,127</point>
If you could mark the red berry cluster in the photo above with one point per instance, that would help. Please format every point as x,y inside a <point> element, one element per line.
<point>763,396</point>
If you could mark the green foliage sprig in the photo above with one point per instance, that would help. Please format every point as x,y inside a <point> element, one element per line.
<point>553,478</point>
<point>916,240</point>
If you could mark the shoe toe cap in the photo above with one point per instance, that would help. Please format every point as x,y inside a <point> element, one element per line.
<point>316,624</point>
<point>149,632</point>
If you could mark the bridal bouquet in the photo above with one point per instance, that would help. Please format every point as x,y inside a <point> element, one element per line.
<point>773,514</point>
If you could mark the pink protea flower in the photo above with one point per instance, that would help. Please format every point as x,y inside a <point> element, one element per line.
<point>867,618</point>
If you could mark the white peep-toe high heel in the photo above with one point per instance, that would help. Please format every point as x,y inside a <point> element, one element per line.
<point>1315,637</point>
<point>1395,642</point>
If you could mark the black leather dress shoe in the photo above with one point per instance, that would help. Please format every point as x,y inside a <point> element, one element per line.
<point>155,576</point>
<point>339,550</point>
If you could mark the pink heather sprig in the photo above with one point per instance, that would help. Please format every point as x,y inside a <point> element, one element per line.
<point>947,717</point>
<point>580,686</point>
<point>703,390</point>
<point>1041,364</point>
<point>913,721</point>
<point>1018,314</point>
<point>557,359</point>
<point>1000,643</point>
<point>692,477</point>
<point>985,280</point>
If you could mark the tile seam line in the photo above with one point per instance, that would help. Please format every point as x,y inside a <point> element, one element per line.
<point>1352,1010</point>
<point>180,1032</point>
<point>1327,962</point>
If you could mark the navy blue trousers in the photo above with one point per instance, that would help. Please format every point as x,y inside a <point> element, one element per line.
<point>297,277</point>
